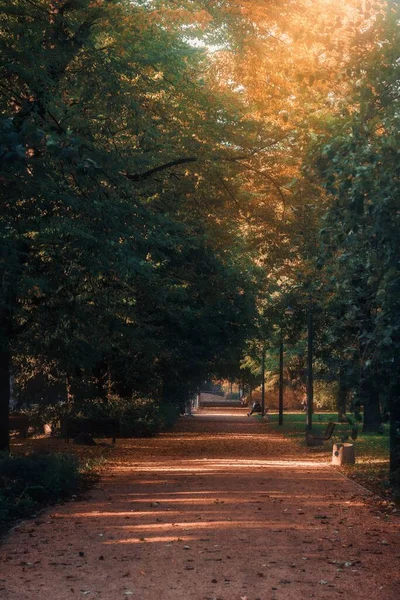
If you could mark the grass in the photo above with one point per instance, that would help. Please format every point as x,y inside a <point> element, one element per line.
<point>371,449</point>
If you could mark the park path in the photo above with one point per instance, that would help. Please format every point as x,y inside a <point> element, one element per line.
<point>221,508</point>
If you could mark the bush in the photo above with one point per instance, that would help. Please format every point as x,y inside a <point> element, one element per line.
<point>168,414</point>
<point>43,414</point>
<point>138,417</point>
<point>325,395</point>
<point>28,483</point>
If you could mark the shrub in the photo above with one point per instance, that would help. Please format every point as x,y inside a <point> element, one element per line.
<point>41,414</point>
<point>139,417</point>
<point>168,413</point>
<point>325,395</point>
<point>29,482</point>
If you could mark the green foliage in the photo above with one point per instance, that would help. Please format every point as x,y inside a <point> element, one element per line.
<point>325,395</point>
<point>356,161</point>
<point>49,414</point>
<point>29,482</point>
<point>131,187</point>
<point>111,236</point>
<point>138,417</point>
<point>168,415</point>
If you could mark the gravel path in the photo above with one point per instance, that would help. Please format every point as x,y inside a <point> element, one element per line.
<point>222,508</point>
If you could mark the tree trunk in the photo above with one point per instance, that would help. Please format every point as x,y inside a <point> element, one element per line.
<point>342,398</point>
<point>5,363</point>
<point>173,393</point>
<point>395,443</point>
<point>394,407</point>
<point>372,413</point>
<point>70,393</point>
<point>100,372</point>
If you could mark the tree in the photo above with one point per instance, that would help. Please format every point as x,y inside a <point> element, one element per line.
<point>357,162</point>
<point>103,113</point>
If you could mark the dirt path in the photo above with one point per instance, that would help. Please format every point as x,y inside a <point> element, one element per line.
<point>223,508</point>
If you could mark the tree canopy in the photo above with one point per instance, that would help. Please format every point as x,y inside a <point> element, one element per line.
<point>173,174</point>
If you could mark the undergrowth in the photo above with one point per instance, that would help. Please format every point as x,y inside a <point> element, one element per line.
<point>28,483</point>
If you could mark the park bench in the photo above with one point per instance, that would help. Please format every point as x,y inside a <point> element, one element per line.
<point>317,440</point>
<point>19,423</point>
<point>105,427</point>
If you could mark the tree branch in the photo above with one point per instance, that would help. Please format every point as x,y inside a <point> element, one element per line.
<point>150,172</point>
<point>231,195</point>
<point>272,180</point>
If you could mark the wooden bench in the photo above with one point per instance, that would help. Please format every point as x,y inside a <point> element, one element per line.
<point>96,427</point>
<point>318,440</point>
<point>19,423</point>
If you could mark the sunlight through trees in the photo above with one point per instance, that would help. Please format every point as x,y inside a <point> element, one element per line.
<point>174,174</point>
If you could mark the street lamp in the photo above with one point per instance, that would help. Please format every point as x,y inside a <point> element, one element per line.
<point>310,385</point>
<point>288,311</point>
<point>263,382</point>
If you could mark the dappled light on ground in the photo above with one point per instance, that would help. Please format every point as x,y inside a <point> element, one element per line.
<point>219,465</point>
<point>216,509</point>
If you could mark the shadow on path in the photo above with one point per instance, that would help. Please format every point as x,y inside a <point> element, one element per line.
<point>220,508</point>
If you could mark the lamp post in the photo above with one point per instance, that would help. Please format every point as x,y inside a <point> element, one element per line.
<point>263,382</point>
<point>288,311</point>
<point>310,384</point>
<point>280,420</point>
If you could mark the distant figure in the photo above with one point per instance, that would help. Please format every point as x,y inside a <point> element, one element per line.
<point>304,403</point>
<point>256,408</point>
